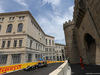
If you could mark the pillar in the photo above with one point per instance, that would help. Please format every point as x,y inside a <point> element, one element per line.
<point>22,58</point>
<point>33,58</point>
<point>9,59</point>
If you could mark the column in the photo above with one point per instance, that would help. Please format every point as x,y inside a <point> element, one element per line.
<point>22,58</point>
<point>33,58</point>
<point>61,58</point>
<point>9,59</point>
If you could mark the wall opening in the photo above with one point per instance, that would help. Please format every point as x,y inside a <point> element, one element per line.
<point>90,45</point>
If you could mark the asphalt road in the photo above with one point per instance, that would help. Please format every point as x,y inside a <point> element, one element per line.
<point>88,69</point>
<point>41,71</point>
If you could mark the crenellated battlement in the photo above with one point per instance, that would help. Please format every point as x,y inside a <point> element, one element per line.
<point>66,24</point>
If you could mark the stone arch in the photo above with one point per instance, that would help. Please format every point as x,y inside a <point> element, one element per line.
<point>90,46</point>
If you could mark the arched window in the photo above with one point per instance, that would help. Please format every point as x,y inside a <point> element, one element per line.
<point>0,27</point>
<point>20,27</point>
<point>9,29</point>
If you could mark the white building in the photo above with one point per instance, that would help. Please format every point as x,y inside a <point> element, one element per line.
<point>22,40</point>
<point>60,51</point>
<point>49,48</point>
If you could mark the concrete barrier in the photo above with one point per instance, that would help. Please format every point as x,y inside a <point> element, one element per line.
<point>64,69</point>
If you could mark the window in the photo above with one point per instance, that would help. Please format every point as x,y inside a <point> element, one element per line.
<point>20,43</point>
<point>36,57</point>
<point>36,46</point>
<point>52,42</point>
<point>46,42</point>
<point>32,22</point>
<point>15,43</point>
<point>46,49</point>
<point>49,49</point>
<point>53,50</point>
<point>2,19</point>
<point>23,17</point>
<point>53,57</point>
<point>9,29</point>
<point>0,27</point>
<point>29,57</point>
<point>3,59</point>
<point>13,18</point>
<point>37,28</point>
<point>20,27</point>
<point>8,45</point>
<point>49,42</point>
<point>46,57</point>
<point>9,18</point>
<point>3,44</point>
<point>50,57</point>
<point>30,43</point>
<point>20,18</point>
<point>16,58</point>
<point>39,46</point>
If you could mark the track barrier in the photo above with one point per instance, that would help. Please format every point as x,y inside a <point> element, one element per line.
<point>15,67</point>
<point>64,69</point>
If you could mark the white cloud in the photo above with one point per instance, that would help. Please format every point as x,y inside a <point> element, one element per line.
<point>1,8</point>
<point>53,2</point>
<point>21,2</point>
<point>71,8</point>
<point>54,25</point>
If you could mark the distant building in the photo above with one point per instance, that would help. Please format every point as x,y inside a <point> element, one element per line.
<point>49,48</point>
<point>22,40</point>
<point>60,52</point>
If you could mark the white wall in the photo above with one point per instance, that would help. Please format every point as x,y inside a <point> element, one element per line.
<point>64,69</point>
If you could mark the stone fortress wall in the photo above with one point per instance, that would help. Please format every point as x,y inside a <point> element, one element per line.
<point>86,28</point>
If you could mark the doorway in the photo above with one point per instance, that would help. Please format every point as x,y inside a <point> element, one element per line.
<point>90,45</point>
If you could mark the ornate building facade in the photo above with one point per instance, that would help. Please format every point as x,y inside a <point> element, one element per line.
<point>22,40</point>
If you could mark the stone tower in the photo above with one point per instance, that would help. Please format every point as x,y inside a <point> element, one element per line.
<point>71,44</point>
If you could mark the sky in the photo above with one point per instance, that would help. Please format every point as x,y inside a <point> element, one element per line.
<point>50,14</point>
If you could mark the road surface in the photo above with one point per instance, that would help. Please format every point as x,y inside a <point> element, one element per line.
<point>41,71</point>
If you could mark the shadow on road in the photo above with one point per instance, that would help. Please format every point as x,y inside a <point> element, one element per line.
<point>88,70</point>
